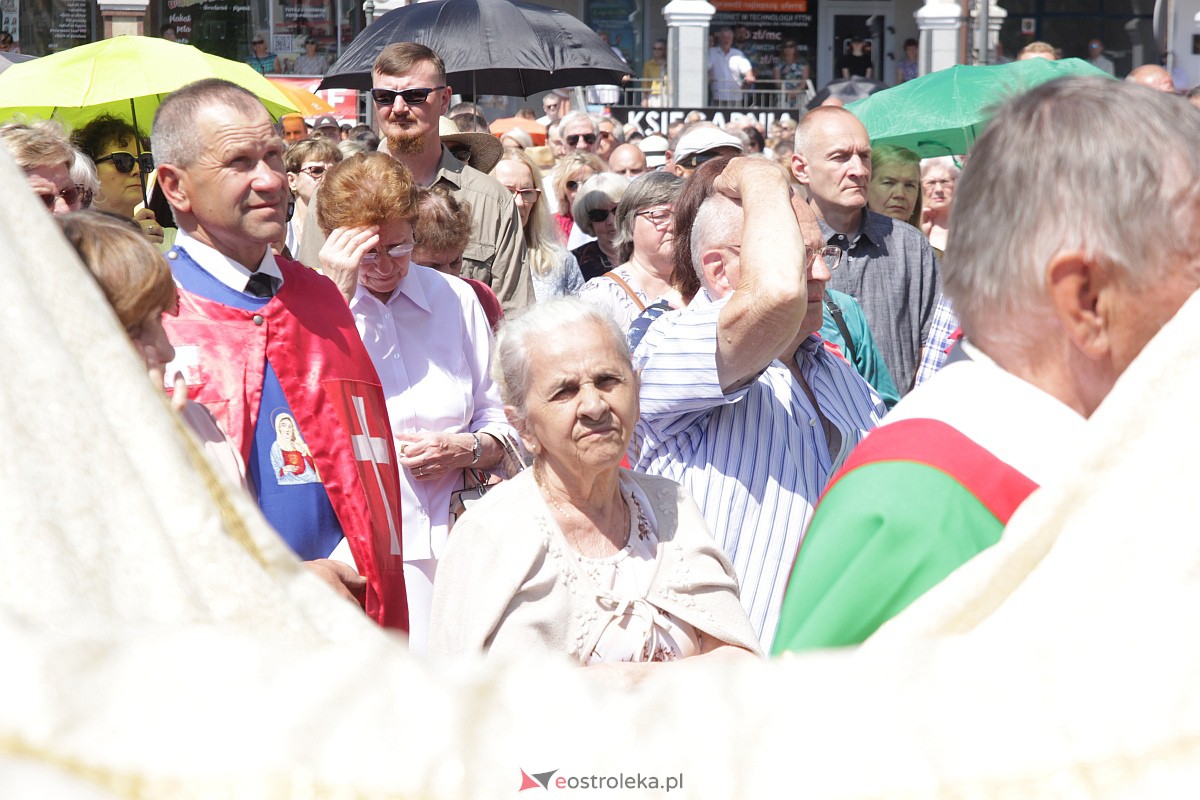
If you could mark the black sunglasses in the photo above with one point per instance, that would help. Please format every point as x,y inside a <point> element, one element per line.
<point>600,214</point>
<point>411,97</point>
<point>573,139</point>
<point>124,161</point>
<point>258,41</point>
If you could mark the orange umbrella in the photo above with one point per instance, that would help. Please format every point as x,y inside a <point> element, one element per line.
<point>536,132</point>
<point>308,103</point>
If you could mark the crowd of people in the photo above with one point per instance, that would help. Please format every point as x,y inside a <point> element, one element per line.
<point>631,401</point>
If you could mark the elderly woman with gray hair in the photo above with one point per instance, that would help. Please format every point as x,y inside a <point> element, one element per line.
<point>938,178</point>
<point>645,246</point>
<point>577,556</point>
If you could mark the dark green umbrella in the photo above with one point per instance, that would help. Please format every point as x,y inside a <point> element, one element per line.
<point>942,113</point>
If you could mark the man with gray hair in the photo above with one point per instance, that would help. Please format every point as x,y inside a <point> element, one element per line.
<point>270,348</point>
<point>1058,291</point>
<point>579,132</point>
<point>740,402</point>
<point>890,267</point>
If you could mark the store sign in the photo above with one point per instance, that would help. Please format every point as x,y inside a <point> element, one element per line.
<point>760,27</point>
<point>656,120</point>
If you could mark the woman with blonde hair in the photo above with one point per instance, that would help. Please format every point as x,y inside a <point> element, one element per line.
<point>571,172</point>
<point>136,281</point>
<point>554,270</point>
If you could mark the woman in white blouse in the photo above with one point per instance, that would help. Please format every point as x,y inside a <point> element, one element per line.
<point>430,343</point>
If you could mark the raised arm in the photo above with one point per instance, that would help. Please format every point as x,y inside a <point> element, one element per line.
<point>771,296</point>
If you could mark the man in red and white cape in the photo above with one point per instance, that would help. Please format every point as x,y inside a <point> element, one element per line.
<point>1060,273</point>
<point>271,350</point>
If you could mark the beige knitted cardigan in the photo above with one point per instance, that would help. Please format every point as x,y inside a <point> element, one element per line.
<point>511,584</point>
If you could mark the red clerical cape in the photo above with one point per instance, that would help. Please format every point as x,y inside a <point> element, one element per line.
<point>308,334</point>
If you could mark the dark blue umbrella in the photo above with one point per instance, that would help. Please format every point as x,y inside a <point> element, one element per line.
<point>489,46</point>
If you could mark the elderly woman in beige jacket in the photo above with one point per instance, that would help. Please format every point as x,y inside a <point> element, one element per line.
<point>577,556</point>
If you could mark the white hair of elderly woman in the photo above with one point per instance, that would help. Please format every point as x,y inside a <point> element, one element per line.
<point>511,362</point>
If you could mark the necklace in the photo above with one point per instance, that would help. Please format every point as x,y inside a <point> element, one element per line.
<point>569,517</point>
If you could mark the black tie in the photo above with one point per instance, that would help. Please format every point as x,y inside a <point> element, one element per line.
<point>262,285</point>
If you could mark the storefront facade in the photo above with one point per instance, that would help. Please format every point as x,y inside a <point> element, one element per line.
<point>821,29</point>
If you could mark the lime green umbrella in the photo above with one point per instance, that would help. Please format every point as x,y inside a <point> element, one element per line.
<point>127,76</point>
<point>942,113</point>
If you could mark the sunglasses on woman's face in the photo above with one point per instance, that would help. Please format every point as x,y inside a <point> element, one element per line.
<point>124,162</point>
<point>600,214</point>
<point>70,196</point>
<point>411,97</point>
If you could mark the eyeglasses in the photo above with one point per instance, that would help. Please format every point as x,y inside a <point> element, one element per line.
<point>527,196</point>
<point>69,195</point>
<point>574,138</point>
<point>258,41</point>
<point>395,251</point>
<point>124,162</point>
<point>316,171</point>
<point>831,254</point>
<point>411,97</point>
<point>600,214</point>
<point>658,217</point>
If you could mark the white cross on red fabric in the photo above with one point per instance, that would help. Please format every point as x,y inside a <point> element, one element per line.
<point>373,450</point>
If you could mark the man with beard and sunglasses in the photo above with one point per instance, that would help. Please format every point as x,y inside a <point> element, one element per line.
<point>45,156</point>
<point>410,93</point>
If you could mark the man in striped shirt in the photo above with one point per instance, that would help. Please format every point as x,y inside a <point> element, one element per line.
<point>739,401</point>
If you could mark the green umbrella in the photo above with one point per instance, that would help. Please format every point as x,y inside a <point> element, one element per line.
<point>942,113</point>
<point>127,76</point>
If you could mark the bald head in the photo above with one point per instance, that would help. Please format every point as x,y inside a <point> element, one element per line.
<point>833,160</point>
<point>627,160</point>
<point>821,120</point>
<point>1152,76</point>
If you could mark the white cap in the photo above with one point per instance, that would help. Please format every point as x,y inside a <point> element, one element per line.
<point>655,149</point>
<point>702,139</point>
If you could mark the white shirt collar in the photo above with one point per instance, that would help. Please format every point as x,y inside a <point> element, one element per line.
<point>223,268</point>
<point>411,286</point>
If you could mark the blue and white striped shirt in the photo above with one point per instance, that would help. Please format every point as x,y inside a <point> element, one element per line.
<point>756,459</point>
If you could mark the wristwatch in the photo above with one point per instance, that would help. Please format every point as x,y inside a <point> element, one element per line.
<point>477,450</point>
